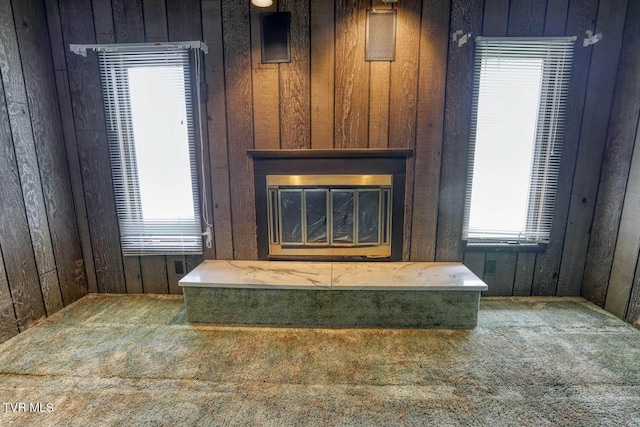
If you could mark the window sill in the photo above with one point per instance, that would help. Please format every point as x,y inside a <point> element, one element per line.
<point>504,247</point>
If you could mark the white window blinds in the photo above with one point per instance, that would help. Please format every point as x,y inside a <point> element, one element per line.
<point>149,118</point>
<point>519,102</point>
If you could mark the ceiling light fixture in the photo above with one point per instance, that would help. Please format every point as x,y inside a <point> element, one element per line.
<point>262,3</point>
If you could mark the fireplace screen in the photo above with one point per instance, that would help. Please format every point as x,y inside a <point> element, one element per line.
<point>334,215</point>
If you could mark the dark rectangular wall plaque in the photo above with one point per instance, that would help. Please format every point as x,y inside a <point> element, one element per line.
<point>275,31</point>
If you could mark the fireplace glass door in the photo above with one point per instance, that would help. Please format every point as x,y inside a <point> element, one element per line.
<point>339,215</point>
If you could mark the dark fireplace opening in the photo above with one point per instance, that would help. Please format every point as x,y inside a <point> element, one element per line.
<point>330,205</point>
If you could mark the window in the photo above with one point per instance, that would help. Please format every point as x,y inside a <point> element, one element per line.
<point>149,118</point>
<point>519,99</point>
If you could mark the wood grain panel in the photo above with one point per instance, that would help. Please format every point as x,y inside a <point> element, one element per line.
<point>51,292</point>
<point>128,21</point>
<point>556,18</point>
<point>50,147</point>
<point>73,162</point>
<point>633,309</point>
<point>404,77</point>
<point>185,23</point>
<point>154,274</point>
<point>526,18</point>
<point>524,274</point>
<point>86,96</point>
<point>322,73</point>
<point>475,262</point>
<point>8,325</point>
<point>132,274</point>
<point>27,162</point>
<point>379,104</point>
<point>172,275</point>
<point>628,245</point>
<point>155,20</point>
<point>593,134</point>
<point>495,18</point>
<point>351,76</point>
<point>10,56</point>
<point>379,94</point>
<point>432,77</point>
<point>217,128</point>
<point>103,21</point>
<point>103,221</point>
<point>266,89</point>
<point>501,283</point>
<point>295,105</point>
<point>466,15</point>
<point>617,159</point>
<point>184,20</point>
<point>19,262</point>
<point>580,18</point>
<point>240,133</point>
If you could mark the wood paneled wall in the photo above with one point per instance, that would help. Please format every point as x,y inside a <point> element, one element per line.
<point>41,267</point>
<point>612,274</point>
<point>329,97</point>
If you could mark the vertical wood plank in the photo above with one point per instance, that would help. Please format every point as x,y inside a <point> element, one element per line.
<point>266,88</point>
<point>580,18</point>
<point>295,85</point>
<point>237,69</point>
<point>8,325</point>
<point>556,18</point>
<point>132,274</point>
<point>128,20</point>
<point>617,159</point>
<point>432,77</point>
<point>103,21</point>
<point>172,275</point>
<point>379,104</point>
<point>524,274</point>
<point>217,128</point>
<point>155,20</point>
<point>185,23</point>
<point>19,262</point>
<point>593,134</point>
<point>404,76</point>
<point>495,18</point>
<point>322,73</point>
<point>501,284</point>
<point>23,141</point>
<point>86,96</point>
<point>526,18</point>
<point>351,76</point>
<point>379,95</point>
<point>633,309</point>
<point>628,245</point>
<point>154,275</point>
<point>85,266</point>
<point>466,15</point>
<point>51,294</point>
<point>49,146</point>
<point>475,262</point>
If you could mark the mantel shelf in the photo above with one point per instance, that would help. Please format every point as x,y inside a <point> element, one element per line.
<point>337,153</point>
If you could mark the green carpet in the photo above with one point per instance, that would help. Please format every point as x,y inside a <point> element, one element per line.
<point>133,360</point>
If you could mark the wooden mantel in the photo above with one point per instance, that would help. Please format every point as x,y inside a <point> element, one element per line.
<point>337,153</point>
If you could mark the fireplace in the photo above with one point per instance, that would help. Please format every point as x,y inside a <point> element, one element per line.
<point>330,204</point>
<point>334,215</point>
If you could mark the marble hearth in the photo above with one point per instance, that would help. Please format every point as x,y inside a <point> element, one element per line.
<point>335,294</point>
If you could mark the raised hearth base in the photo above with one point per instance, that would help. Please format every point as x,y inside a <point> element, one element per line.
<point>352,294</point>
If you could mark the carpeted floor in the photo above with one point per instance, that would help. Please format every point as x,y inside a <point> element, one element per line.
<point>134,360</point>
